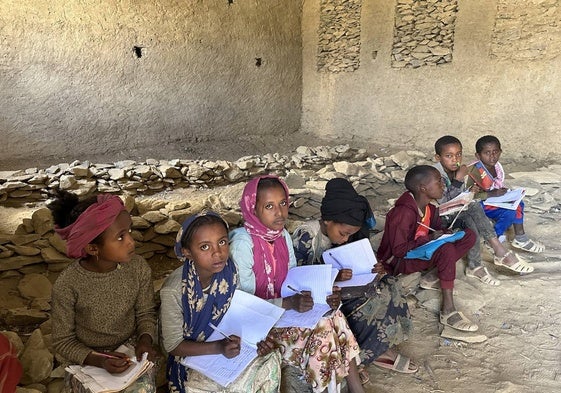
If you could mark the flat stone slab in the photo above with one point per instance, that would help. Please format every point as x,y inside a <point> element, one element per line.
<point>541,177</point>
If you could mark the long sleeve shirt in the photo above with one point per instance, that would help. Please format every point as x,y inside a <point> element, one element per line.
<point>100,311</point>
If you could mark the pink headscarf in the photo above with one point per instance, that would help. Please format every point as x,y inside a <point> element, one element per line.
<point>270,251</point>
<point>90,224</point>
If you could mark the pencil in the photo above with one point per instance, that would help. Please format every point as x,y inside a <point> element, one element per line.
<point>294,290</point>
<point>336,261</point>
<point>109,356</point>
<point>457,215</point>
<point>426,226</point>
<point>219,331</point>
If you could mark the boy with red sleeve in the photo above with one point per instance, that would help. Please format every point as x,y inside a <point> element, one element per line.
<point>414,221</point>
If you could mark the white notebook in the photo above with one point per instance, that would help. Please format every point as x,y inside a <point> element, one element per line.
<point>358,256</point>
<point>249,318</point>
<point>318,279</point>
<point>99,380</point>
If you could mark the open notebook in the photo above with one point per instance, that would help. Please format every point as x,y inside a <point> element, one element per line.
<point>249,318</point>
<point>99,380</point>
<point>456,204</point>
<point>358,256</point>
<point>509,201</point>
<point>318,279</point>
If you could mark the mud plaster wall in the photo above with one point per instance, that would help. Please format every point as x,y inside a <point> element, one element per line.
<point>97,76</point>
<point>503,74</point>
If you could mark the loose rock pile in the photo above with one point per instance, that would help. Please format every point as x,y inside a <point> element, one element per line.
<point>132,178</point>
<point>31,258</point>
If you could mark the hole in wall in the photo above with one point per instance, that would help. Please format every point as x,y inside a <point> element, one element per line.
<point>137,50</point>
<point>258,61</point>
<point>230,2</point>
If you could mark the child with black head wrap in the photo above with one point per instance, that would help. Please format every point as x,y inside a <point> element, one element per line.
<point>379,319</point>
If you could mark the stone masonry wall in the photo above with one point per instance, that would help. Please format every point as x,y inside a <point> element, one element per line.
<point>35,248</point>
<point>339,36</point>
<point>429,68</point>
<point>526,30</point>
<point>424,32</point>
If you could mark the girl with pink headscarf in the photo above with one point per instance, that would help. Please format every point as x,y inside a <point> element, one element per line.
<point>262,251</point>
<point>104,298</point>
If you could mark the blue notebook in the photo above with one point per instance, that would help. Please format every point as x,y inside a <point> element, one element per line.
<point>426,250</point>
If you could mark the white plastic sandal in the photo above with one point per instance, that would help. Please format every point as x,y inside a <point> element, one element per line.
<point>529,246</point>
<point>519,267</point>
<point>487,278</point>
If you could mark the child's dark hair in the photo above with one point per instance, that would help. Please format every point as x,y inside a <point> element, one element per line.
<point>445,140</point>
<point>67,207</point>
<point>486,140</point>
<point>199,222</point>
<point>418,175</point>
<point>268,183</point>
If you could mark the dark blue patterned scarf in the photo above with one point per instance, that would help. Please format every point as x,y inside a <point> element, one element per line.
<point>196,316</point>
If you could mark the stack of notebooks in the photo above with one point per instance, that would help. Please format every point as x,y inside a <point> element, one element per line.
<point>99,380</point>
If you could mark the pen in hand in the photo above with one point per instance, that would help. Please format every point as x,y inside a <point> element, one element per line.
<point>109,356</point>
<point>219,331</point>
<point>294,290</point>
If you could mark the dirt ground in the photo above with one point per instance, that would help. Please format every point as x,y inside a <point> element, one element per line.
<point>521,318</point>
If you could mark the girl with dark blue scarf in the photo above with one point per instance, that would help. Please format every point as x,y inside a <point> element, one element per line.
<point>199,293</point>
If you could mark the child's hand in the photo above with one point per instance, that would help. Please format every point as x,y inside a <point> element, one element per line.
<point>497,192</point>
<point>335,298</point>
<point>230,347</point>
<point>118,362</point>
<point>344,275</point>
<point>379,269</point>
<point>266,346</point>
<point>475,189</point>
<point>436,234</point>
<point>144,344</point>
<point>461,172</point>
<point>302,302</point>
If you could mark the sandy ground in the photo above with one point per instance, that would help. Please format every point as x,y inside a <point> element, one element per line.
<point>521,318</point>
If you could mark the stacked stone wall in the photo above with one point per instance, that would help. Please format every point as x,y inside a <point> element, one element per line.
<point>339,36</point>
<point>424,32</point>
<point>35,248</point>
<point>527,30</point>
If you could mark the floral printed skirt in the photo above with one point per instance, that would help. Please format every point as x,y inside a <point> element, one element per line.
<point>322,353</point>
<point>379,319</point>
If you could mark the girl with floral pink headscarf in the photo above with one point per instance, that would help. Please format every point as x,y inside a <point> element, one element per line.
<point>262,251</point>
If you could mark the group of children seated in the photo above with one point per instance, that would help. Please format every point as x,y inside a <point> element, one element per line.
<point>105,298</point>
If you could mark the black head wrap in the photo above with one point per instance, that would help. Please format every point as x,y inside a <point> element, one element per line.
<point>343,204</point>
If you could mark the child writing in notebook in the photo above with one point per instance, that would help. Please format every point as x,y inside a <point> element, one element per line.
<point>413,222</point>
<point>448,154</point>
<point>379,319</point>
<point>198,294</point>
<point>488,175</point>
<point>263,253</point>
<point>105,298</point>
